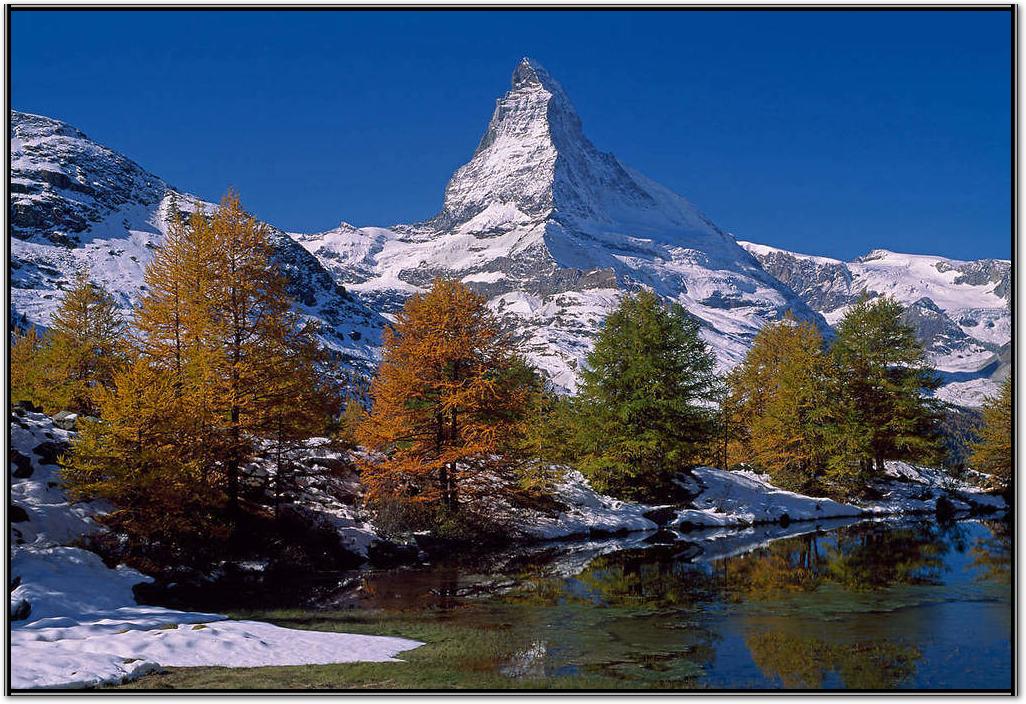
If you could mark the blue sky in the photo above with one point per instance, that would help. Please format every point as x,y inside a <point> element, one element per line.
<point>825,132</point>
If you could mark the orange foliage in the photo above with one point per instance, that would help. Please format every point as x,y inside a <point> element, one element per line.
<point>449,402</point>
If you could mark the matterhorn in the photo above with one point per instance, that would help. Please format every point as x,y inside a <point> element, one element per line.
<point>553,231</point>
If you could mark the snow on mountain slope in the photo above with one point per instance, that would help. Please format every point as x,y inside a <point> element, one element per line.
<point>76,205</point>
<point>959,309</point>
<point>553,231</point>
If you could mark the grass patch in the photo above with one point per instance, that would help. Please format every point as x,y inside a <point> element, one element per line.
<point>461,651</point>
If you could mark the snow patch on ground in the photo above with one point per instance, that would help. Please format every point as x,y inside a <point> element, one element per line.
<point>732,500</point>
<point>75,622</point>
<point>587,512</point>
<point>747,498</point>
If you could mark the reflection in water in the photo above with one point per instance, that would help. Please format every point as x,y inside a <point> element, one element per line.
<point>801,662</point>
<point>849,608</point>
<point>992,553</point>
<point>873,605</point>
<point>866,557</point>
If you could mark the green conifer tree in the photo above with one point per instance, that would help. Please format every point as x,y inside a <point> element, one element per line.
<point>880,387</point>
<point>646,405</point>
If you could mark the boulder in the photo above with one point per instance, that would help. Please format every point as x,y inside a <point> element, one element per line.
<point>16,514</point>
<point>28,406</point>
<point>20,609</point>
<point>66,420</point>
<point>662,515</point>
<point>22,465</point>
<point>49,451</point>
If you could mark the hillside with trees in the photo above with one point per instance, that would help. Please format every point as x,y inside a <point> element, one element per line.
<point>215,374</point>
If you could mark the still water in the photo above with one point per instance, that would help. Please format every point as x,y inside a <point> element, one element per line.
<point>871,605</point>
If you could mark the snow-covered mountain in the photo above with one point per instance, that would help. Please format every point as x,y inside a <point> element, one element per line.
<point>553,231</point>
<point>548,227</point>
<point>76,205</point>
<point>959,309</point>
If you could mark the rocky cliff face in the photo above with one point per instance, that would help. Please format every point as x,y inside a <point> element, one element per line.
<point>553,231</point>
<point>76,205</point>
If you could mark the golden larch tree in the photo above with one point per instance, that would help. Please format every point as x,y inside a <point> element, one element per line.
<point>776,403</point>
<point>993,453</point>
<point>448,403</point>
<point>83,348</point>
<point>138,457</point>
<point>26,365</point>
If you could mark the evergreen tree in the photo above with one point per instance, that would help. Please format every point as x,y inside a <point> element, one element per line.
<point>776,404</point>
<point>646,404</point>
<point>993,453</point>
<point>880,384</point>
<point>83,349</point>
<point>449,403</point>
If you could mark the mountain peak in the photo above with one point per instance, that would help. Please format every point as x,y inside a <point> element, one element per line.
<point>531,73</point>
<point>25,125</point>
<point>534,164</point>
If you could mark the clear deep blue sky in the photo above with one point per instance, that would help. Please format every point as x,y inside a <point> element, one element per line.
<point>825,132</point>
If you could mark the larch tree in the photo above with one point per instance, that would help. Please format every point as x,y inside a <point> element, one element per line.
<point>993,453</point>
<point>223,371</point>
<point>160,321</point>
<point>237,307</point>
<point>297,400</point>
<point>646,408</point>
<point>83,348</point>
<point>137,456</point>
<point>448,403</point>
<point>881,409</point>
<point>25,365</point>
<point>777,403</point>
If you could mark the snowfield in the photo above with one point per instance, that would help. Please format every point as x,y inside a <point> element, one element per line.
<point>745,498</point>
<point>75,622</point>
<point>587,512</point>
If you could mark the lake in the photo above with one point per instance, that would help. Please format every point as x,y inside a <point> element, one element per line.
<point>907,604</point>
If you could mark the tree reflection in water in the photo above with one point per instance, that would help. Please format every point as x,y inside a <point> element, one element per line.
<point>859,558</point>
<point>992,553</point>
<point>802,662</point>
<point>803,612</point>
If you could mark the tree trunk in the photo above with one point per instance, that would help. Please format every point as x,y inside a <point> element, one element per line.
<point>232,465</point>
<point>452,495</point>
